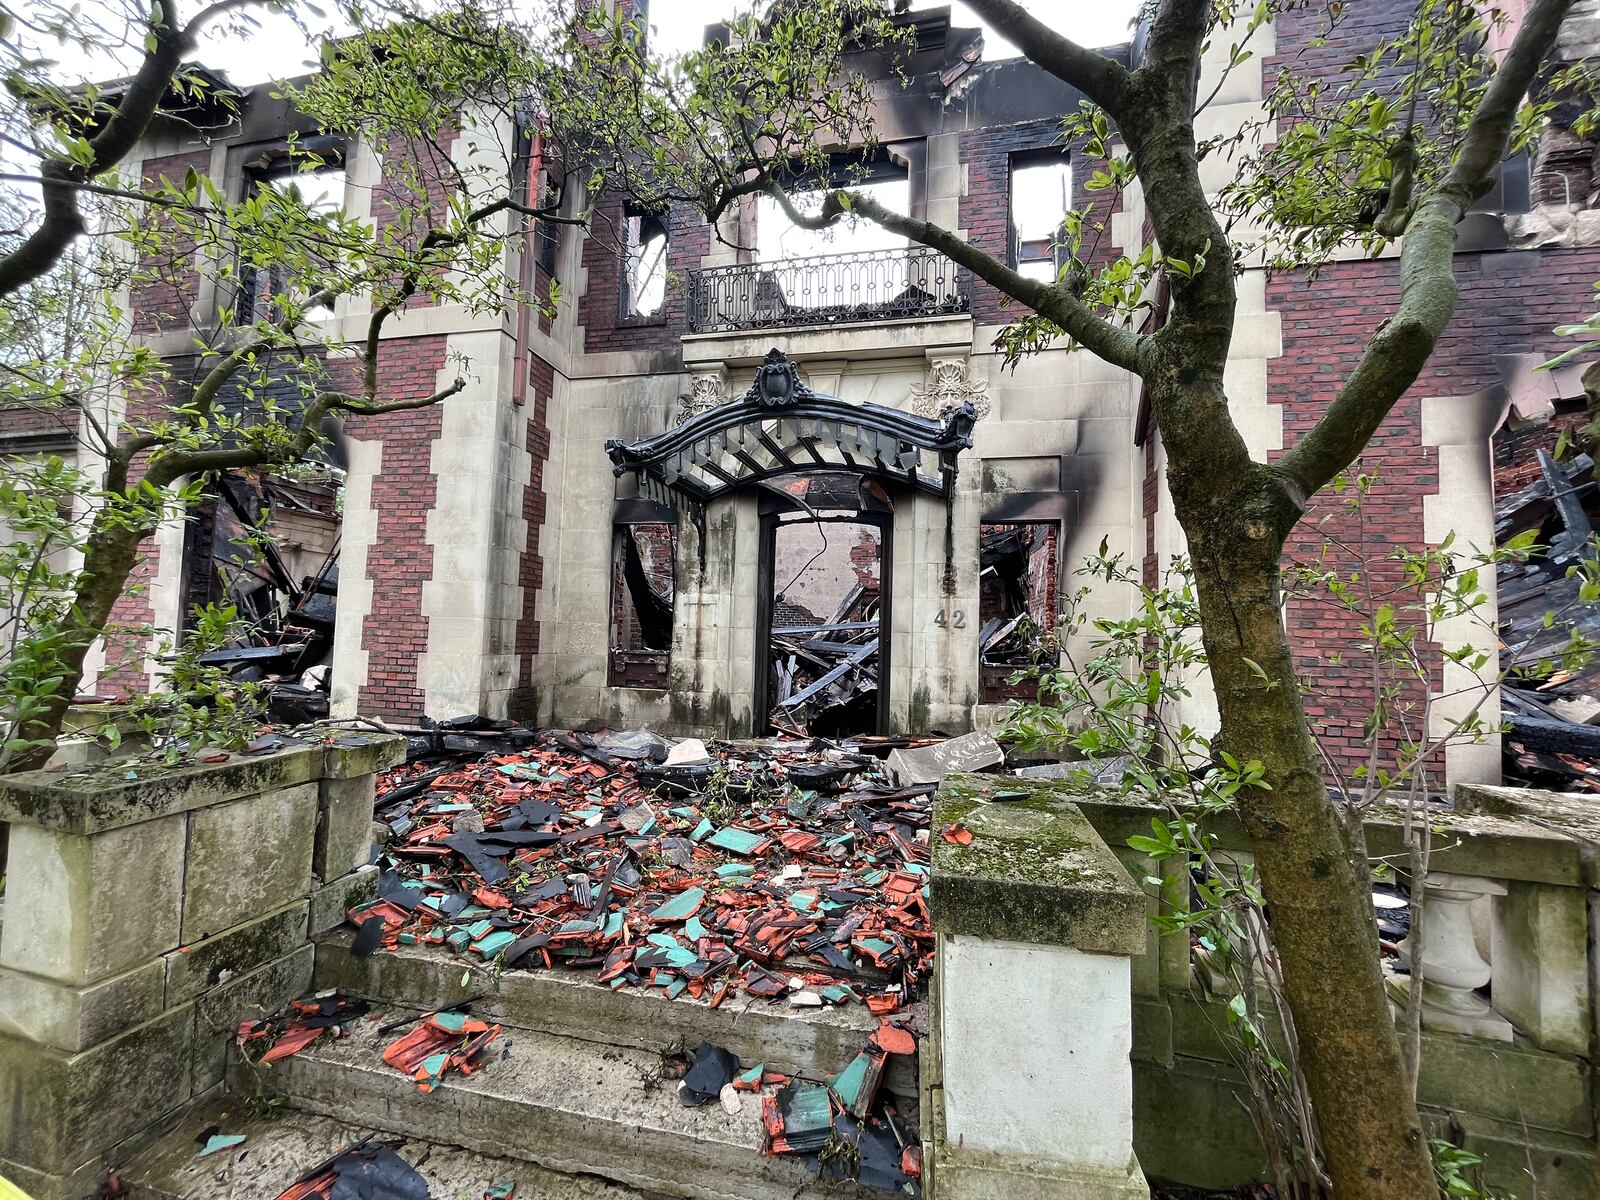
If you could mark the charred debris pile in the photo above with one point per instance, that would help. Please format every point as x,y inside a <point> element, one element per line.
<point>270,548</point>
<point>1551,698</point>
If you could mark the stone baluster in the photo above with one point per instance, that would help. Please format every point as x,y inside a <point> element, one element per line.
<point>1452,967</point>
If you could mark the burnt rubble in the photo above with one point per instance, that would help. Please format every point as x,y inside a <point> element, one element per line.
<point>1550,699</point>
<point>271,549</point>
<point>826,675</point>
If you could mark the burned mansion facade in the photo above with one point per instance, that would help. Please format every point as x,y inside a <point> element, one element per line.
<point>751,479</point>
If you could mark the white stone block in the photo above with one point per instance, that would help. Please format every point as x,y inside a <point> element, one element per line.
<point>1047,1028</point>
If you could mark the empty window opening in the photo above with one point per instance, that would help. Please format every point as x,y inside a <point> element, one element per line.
<point>1041,198</point>
<point>827,585</point>
<point>269,547</point>
<point>646,263</point>
<point>779,238</point>
<point>318,185</point>
<point>643,585</point>
<point>881,274</point>
<point>1017,601</point>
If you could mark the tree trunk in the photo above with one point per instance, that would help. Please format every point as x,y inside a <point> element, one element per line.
<point>109,554</point>
<point>1317,886</point>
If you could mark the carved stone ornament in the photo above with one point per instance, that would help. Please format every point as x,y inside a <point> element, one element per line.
<point>948,388</point>
<point>778,383</point>
<point>706,391</point>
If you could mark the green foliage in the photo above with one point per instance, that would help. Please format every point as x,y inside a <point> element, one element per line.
<point>1587,329</point>
<point>1113,686</point>
<point>1458,1174</point>
<point>200,707</point>
<point>41,538</point>
<point>1338,162</point>
<point>1109,688</point>
<point>1415,608</point>
<point>770,99</point>
<point>272,369</point>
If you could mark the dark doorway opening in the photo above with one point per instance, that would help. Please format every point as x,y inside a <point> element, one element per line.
<point>1018,579</point>
<point>824,604</point>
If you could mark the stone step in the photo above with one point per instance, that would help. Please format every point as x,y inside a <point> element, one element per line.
<point>813,1042</point>
<point>561,1103</point>
<point>280,1146</point>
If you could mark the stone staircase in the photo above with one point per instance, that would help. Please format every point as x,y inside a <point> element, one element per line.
<point>572,1092</point>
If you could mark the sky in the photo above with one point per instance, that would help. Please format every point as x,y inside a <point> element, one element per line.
<point>278,48</point>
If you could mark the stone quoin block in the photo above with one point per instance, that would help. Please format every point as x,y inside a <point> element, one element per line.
<point>58,1110</point>
<point>81,908</point>
<point>248,857</point>
<point>194,969</point>
<point>71,1017</point>
<point>344,826</point>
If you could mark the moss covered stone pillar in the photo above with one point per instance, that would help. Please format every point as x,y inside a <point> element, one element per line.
<point>148,911</point>
<point>1029,1088</point>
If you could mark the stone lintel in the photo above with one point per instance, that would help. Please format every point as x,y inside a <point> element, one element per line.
<point>108,795</point>
<point>1035,871</point>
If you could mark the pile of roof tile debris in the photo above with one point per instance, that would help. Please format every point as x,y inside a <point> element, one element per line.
<point>369,1168</point>
<point>838,1125</point>
<point>677,868</point>
<point>825,676</point>
<point>790,871</point>
<point>1550,700</point>
<point>289,612</point>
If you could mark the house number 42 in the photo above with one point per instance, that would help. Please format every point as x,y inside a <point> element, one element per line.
<point>953,620</point>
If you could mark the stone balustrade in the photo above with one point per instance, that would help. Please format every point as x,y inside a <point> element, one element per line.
<point>149,910</point>
<point>1509,1006</point>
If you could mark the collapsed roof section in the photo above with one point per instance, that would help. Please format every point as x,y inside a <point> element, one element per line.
<point>781,426</point>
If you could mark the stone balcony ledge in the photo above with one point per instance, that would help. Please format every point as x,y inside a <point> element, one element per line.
<point>97,797</point>
<point>1508,842</point>
<point>909,338</point>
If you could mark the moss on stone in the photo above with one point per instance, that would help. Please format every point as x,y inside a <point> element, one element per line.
<point>1034,871</point>
<point>106,795</point>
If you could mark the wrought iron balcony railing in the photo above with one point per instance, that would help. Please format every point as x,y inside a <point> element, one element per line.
<point>832,289</point>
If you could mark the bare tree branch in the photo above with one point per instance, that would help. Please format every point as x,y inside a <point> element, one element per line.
<point>1114,343</point>
<point>60,179</point>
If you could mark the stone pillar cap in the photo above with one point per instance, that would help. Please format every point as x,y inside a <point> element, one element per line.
<point>1033,871</point>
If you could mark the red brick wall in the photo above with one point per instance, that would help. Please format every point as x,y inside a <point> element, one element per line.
<point>132,614</point>
<point>535,504</point>
<point>1510,302</point>
<point>16,421</point>
<point>600,309</point>
<point>400,560</point>
<point>986,208</point>
<point>166,286</point>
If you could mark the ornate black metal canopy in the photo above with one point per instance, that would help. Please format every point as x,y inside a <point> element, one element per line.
<point>781,426</point>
